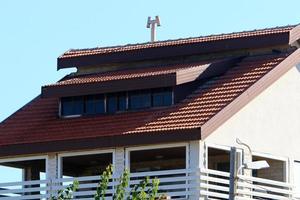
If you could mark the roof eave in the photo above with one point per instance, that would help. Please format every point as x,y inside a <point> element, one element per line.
<point>124,140</point>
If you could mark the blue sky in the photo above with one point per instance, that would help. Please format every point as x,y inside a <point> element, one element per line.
<point>34,33</point>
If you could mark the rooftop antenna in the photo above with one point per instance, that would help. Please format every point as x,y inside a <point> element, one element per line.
<point>151,23</point>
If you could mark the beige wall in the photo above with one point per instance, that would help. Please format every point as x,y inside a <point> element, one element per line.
<point>270,123</point>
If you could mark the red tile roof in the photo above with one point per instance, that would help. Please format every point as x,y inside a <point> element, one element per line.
<point>129,74</point>
<point>130,47</point>
<point>39,122</point>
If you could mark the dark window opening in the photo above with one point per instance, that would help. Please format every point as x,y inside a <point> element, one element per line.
<point>94,104</point>
<point>85,165</point>
<point>115,102</point>
<point>140,99</point>
<point>162,97</point>
<point>218,159</point>
<point>72,106</point>
<point>275,172</point>
<point>158,159</point>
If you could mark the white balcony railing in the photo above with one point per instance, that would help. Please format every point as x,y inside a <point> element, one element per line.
<point>175,184</point>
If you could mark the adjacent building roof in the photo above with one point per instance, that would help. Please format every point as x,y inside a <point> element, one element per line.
<point>37,127</point>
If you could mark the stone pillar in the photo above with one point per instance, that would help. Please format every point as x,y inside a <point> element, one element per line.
<point>119,165</point>
<point>52,166</point>
<point>52,170</point>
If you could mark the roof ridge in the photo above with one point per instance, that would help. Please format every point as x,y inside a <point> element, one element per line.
<point>277,28</point>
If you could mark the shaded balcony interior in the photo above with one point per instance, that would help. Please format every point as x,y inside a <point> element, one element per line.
<point>218,159</point>
<point>85,165</point>
<point>157,159</point>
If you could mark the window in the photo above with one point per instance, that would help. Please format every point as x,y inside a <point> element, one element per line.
<point>72,106</point>
<point>94,104</point>
<point>218,159</point>
<point>116,102</point>
<point>276,171</point>
<point>162,97</point>
<point>140,99</point>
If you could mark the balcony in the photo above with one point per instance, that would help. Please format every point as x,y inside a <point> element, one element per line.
<point>175,184</point>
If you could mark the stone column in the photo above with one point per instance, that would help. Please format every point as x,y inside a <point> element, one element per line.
<point>52,170</point>
<point>119,165</point>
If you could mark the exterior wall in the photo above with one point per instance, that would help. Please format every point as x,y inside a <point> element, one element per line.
<point>270,123</point>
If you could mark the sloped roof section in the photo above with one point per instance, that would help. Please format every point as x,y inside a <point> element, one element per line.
<point>38,122</point>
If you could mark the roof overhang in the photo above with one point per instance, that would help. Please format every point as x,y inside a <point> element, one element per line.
<point>222,45</point>
<point>164,80</point>
<point>102,142</point>
<point>172,79</point>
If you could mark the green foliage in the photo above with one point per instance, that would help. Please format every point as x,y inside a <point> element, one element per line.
<point>103,184</point>
<point>120,193</point>
<point>67,193</point>
<point>145,190</point>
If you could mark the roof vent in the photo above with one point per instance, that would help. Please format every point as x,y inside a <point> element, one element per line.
<point>151,23</point>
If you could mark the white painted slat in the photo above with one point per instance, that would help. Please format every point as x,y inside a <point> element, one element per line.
<point>163,172</point>
<point>213,179</point>
<point>214,194</point>
<point>38,196</point>
<point>265,181</point>
<point>215,172</point>
<point>266,188</point>
<point>242,198</point>
<point>168,179</point>
<point>23,190</point>
<point>214,187</point>
<point>262,194</point>
<point>183,193</point>
<point>23,183</point>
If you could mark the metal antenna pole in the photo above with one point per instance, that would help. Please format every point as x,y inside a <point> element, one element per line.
<point>152,24</point>
<point>153,32</point>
